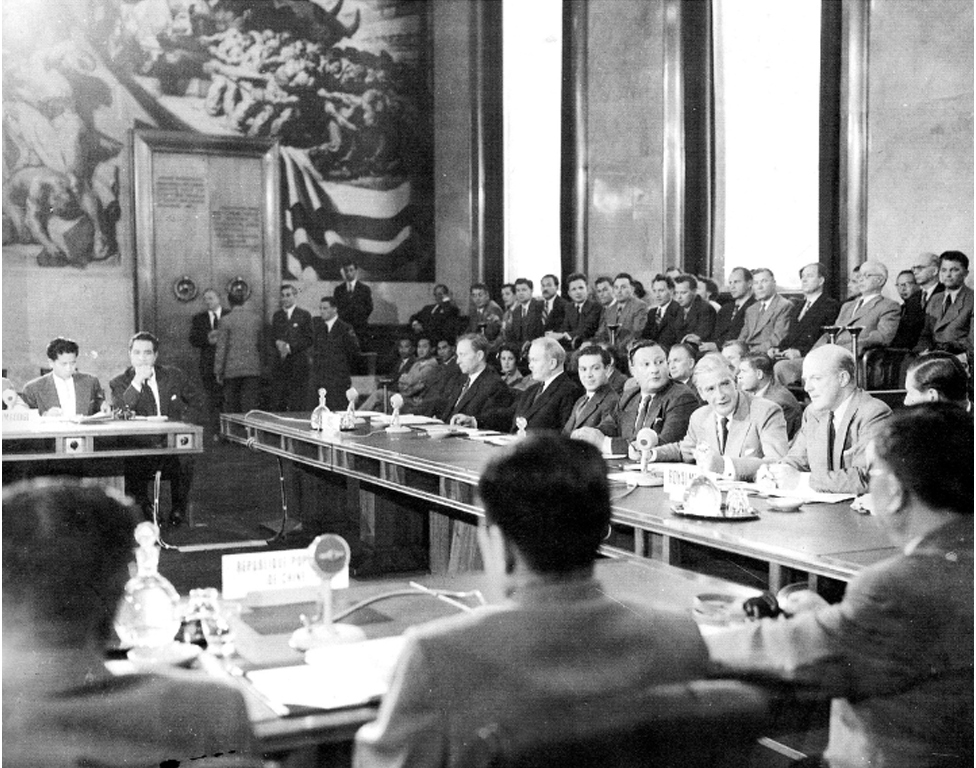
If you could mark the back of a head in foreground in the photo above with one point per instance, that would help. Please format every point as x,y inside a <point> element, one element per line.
<point>929,449</point>
<point>66,548</point>
<point>549,496</point>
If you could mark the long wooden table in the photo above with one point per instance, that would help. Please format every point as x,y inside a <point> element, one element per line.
<point>440,475</point>
<point>93,449</point>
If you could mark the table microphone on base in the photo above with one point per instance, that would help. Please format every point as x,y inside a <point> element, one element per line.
<point>646,440</point>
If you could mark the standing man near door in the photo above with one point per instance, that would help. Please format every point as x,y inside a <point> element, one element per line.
<point>354,299</point>
<point>291,331</point>
<point>203,336</point>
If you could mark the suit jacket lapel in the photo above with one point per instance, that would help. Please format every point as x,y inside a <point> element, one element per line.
<point>738,428</point>
<point>843,428</point>
<point>590,406</point>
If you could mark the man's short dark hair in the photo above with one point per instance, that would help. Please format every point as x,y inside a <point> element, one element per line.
<point>690,280</point>
<point>550,497</point>
<point>642,344</point>
<point>553,278</point>
<point>957,256</point>
<point>593,349</point>
<point>478,342</point>
<point>905,272</point>
<point>574,276</point>
<point>942,372</point>
<point>821,270</point>
<point>525,281</point>
<point>443,288</point>
<point>61,346</point>
<point>287,286</point>
<point>330,300</point>
<point>145,336</point>
<point>604,279</point>
<point>349,262</point>
<point>624,276</point>
<point>659,278</point>
<point>929,449</point>
<point>236,299</point>
<point>510,286</point>
<point>760,362</point>
<point>479,287</point>
<point>746,274</point>
<point>448,339</point>
<point>66,549</point>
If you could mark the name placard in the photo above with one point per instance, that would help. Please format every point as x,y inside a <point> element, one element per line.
<point>250,572</point>
<point>677,477</point>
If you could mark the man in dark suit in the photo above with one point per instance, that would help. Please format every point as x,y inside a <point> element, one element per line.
<point>438,319</point>
<point>479,389</point>
<point>912,319</point>
<point>64,392</point>
<point>837,426</point>
<point>526,315</point>
<point>661,405</point>
<point>548,403</point>
<point>203,336</point>
<point>926,272</point>
<point>755,376</point>
<point>553,305</point>
<point>149,389</point>
<point>626,311</point>
<point>291,331</point>
<point>697,321</point>
<point>335,354</point>
<point>558,645</point>
<point>808,319</point>
<point>949,315</point>
<point>354,299</point>
<point>728,321</point>
<point>664,320</point>
<point>592,415</point>
<point>441,381</point>
<point>582,318</point>
<point>897,652</point>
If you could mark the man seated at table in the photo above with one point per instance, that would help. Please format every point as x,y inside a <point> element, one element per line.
<point>755,376</point>
<point>897,652</point>
<point>152,390</point>
<point>594,410</point>
<point>64,392</point>
<point>478,390</point>
<point>836,427</point>
<point>734,432</point>
<point>66,551</point>
<point>547,404</point>
<point>559,645</point>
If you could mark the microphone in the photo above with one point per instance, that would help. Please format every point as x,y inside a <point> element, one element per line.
<point>646,440</point>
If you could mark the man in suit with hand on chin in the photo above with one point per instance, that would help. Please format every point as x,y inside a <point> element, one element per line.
<point>64,392</point>
<point>157,391</point>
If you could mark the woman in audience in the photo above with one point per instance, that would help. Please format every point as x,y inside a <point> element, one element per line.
<point>937,377</point>
<point>508,365</point>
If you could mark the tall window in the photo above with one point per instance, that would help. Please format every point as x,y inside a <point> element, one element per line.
<point>767,122</point>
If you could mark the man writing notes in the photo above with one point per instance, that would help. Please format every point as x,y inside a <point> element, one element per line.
<point>734,432</point>
<point>64,392</point>
<point>896,654</point>
<point>836,426</point>
<point>557,646</point>
<point>153,390</point>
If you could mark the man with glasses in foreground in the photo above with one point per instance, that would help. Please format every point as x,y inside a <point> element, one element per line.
<point>896,654</point>
<point>559,659</point>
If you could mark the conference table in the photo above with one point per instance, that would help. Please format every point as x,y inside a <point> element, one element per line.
<point>262,633</point>
<point>409,491</point>
<point>93,448</point>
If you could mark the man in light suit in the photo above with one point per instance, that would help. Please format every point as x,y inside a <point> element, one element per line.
<point>484,315</point>
<point>582,317</point>
<point>755,376</point>
<point>64,392</point>
<point>658,403</point>
<point>871,311</point>
<point>592,415</point>
<point>149,389</point>
<point>237,361</point>
<point>556,644</point>
<point>291,332</point>
<point>896,654</point>
<point>767,322</point>
<point>627,311</point>
<point>837,426</point>
<point>354,299</point>
<point>734,433</point>
<point>478,389</point>
<point>949,315</point>
<point>547,404</point>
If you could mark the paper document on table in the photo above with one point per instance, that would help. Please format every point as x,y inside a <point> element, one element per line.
<point>334,676</point>
<point>406,419</point>
<point>803,491</point>
<point>643,479</point>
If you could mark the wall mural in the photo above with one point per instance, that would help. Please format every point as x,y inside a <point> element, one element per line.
<point>344,85</point>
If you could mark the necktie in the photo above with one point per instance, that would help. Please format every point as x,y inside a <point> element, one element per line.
<point>641,411</point>
<point>660,314</point>
<point>857,307</point>
<point>545,313</point>
<point>213,321</point>
<point>149,400</point>
<point>723,432</point>
<point>464,388</point>
<point>831,438</point>
<point>946,304</point>
<point>803,311</point>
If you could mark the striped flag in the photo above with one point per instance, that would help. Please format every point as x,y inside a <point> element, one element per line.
<point>327,222</point>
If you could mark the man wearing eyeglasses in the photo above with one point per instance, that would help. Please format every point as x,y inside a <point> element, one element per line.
<point>876,315</point>
<point>949,315</point>
<point>926,271</point>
